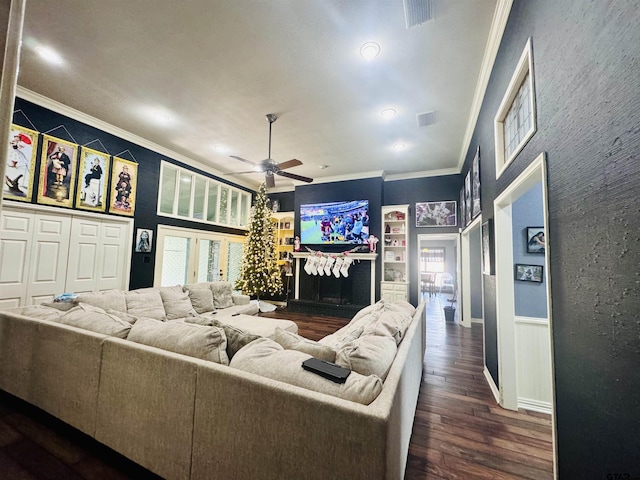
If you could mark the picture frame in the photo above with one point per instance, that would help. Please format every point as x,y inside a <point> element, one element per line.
<point>475,186</point>
<point>487,248</point>
<point>528,273</point>
<point>536,240</point>
<point>463,208</point>
<point>21,164</point>
<point>287,225</point>
<point>124,181</point>
<point>467,198</point>
<point>93,175</point>
<point>144,240</point>
<point>437,214</point>
<point>57,174</point>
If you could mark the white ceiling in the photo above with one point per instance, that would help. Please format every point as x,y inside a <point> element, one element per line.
<point>218,67</point>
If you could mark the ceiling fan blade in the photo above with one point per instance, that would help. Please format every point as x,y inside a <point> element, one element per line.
<point>294,176</point>
<point>289,163</point>
<point>268,176</point>
<point>243,160</point>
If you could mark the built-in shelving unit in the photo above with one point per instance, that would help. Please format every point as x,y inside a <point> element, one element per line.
<point>395,248</point>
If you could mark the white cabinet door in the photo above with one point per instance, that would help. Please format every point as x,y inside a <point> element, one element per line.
<point>83,255</point>
<point>15,241</point>
<point>113,257</point>
<point>49,250</point>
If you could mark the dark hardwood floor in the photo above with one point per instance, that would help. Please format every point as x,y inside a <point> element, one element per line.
<point>459,431</point>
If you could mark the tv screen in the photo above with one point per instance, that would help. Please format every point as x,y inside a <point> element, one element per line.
<point>334,222</point>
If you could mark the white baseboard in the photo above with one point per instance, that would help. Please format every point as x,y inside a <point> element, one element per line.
<point>492,385</point>
<point>535,405</point>
<point>477,320</point>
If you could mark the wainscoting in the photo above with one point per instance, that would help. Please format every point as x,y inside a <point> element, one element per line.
<point>533,364</point>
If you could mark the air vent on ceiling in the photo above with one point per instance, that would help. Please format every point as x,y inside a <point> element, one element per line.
<point>417,12</point>
<point>426,119</point>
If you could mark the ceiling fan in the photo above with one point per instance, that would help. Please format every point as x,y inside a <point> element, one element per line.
<point>269,166</point>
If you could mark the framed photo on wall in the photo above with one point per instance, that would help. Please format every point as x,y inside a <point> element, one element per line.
<point>475,185</point>
<point>144,240</point>
<point>57,172</point>
<point>528,273</point>
<point>487,247</point>
<point>21,163</point>
<point>124,180</point>
<point>93,175</point>
<point>463,209</point>
<point>437,214</point>
<point>467,199</point>
<point>536,240</point>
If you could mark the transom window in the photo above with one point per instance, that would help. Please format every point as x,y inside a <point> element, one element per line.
<point>515,122</point>
<point>185,194</point>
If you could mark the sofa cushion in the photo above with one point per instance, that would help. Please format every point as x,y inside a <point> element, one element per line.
<point>201,299</point>
<point>145,302</point>
<point>206,343</point>
<point>389,323</point>
<point>114,299</point>
<point>267,358</point>
<point>127,317</point>
<point>341,337</point>
<point>400,306</point>
<point>236,338</point>
<point>95,319</point>
<point>368,355</point>
<point>222,292</point>
<point>40,312</point>
<point>379,305</point>
<point>176,302</point>
<point>293,341</point>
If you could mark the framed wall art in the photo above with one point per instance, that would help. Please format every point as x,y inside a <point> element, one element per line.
<point>144,240</point>
<point>93,175</point>
<point>528,273</point>
<point>463,208</point>
<point>124,180</point>
<point>57,172</point>
<point>437,214</point>
<point>467,199</point>
<point>475,185</point>
<point>21,162</point>
<point>535,240</point>
<point>487,247</point>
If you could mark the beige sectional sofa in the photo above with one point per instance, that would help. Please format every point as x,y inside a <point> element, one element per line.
<point>188,418</point>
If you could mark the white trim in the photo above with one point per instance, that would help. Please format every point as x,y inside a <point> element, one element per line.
<point>477,320</point>
<point>524,67</point>
<point>455,237</point>
<point>535,405</point>
<point>498,24</point>
<point>492,384</point>
<point>465,260</point>
<point>531,320</point>
<point>422,174</point>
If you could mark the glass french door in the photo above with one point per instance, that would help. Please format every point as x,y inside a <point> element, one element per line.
<point>191,256</point>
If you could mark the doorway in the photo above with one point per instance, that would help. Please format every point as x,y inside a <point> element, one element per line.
<point>192,256</point>
<point>439,267</point>
<point>471,258</point>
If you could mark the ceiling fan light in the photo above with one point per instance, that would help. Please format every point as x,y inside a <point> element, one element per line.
<point>369,50</point>
<point>388,113</point>
<point>398,147</point>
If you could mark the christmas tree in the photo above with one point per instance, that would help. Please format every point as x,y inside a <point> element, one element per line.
<point>260,273</point>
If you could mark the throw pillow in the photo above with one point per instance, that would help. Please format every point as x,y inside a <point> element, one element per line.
<point>266,358</point>
<point>201,299</point>
<point>236,338</point>
<point>176,303</point>
<point>206,343</point>
<point>145,302</point>
<point>389,323</point>
<point>40,312</point>
<point>114,299</point>
<point>368,355</point>
<point>222,294</point>
<point>293,341</point>
<point>97,320</point>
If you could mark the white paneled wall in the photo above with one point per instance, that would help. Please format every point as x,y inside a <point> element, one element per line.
<point>533,364</point>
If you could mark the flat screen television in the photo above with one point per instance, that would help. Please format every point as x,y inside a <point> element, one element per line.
<point>334,223</point>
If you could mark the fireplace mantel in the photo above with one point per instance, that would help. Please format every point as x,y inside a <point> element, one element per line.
<point>369,257</point>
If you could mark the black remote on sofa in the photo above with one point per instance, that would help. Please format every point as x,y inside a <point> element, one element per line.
<point>329,370</point>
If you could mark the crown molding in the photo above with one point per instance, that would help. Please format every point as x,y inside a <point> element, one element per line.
<point>498,24</point>
<point>62,109</point>
<point>422,174</point>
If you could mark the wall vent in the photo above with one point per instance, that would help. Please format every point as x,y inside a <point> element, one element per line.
<point>417,12</point>
<point>426,119</point>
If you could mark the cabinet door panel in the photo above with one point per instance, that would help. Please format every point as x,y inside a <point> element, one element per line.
<point>83,255</point>
<point>115,241</point>
<point>15,237</point>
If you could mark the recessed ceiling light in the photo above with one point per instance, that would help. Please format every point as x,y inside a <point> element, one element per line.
<point>322,167</point>
<point>388,113</point>
<point>399,146</point>
<point>220,148</point>
<point>369,50</point>
<point>158,116</point>
<point>49,54</point>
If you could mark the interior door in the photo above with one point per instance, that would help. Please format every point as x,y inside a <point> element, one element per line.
<point>83,257</point>
<point>15,238</point>
<point>114,255</point>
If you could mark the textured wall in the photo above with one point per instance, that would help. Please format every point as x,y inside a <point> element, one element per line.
<point>587,85</point>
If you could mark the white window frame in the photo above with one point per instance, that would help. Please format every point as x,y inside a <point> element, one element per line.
<point>210,184</point>
<point>524,67</point>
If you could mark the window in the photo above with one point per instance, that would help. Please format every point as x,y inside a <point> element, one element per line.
<point>515,122</point>
<point>184,194</point>
<point>432,260</point>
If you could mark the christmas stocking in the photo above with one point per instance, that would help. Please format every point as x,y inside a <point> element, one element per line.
<point>314,264</point>
<point>329,265</point>
<point>321,264</point>
<point>308,265</point>
<point>344,269</point>
<point>336,267</point>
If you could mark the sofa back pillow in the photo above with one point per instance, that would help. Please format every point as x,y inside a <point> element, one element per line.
<point>236,338</point>
<point>113,299</point>
<point>368,355</point>
<point>400,306</point>
<point>145,302</point>
<point>41,312</point>
<point>222,294</point>
<point>201,298</point>
<point>97,320</point>
<point>176,302</point>
<point>267,358</point>
<point>293,341</point>
<point>206,343</point>
<point>389,323</point>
